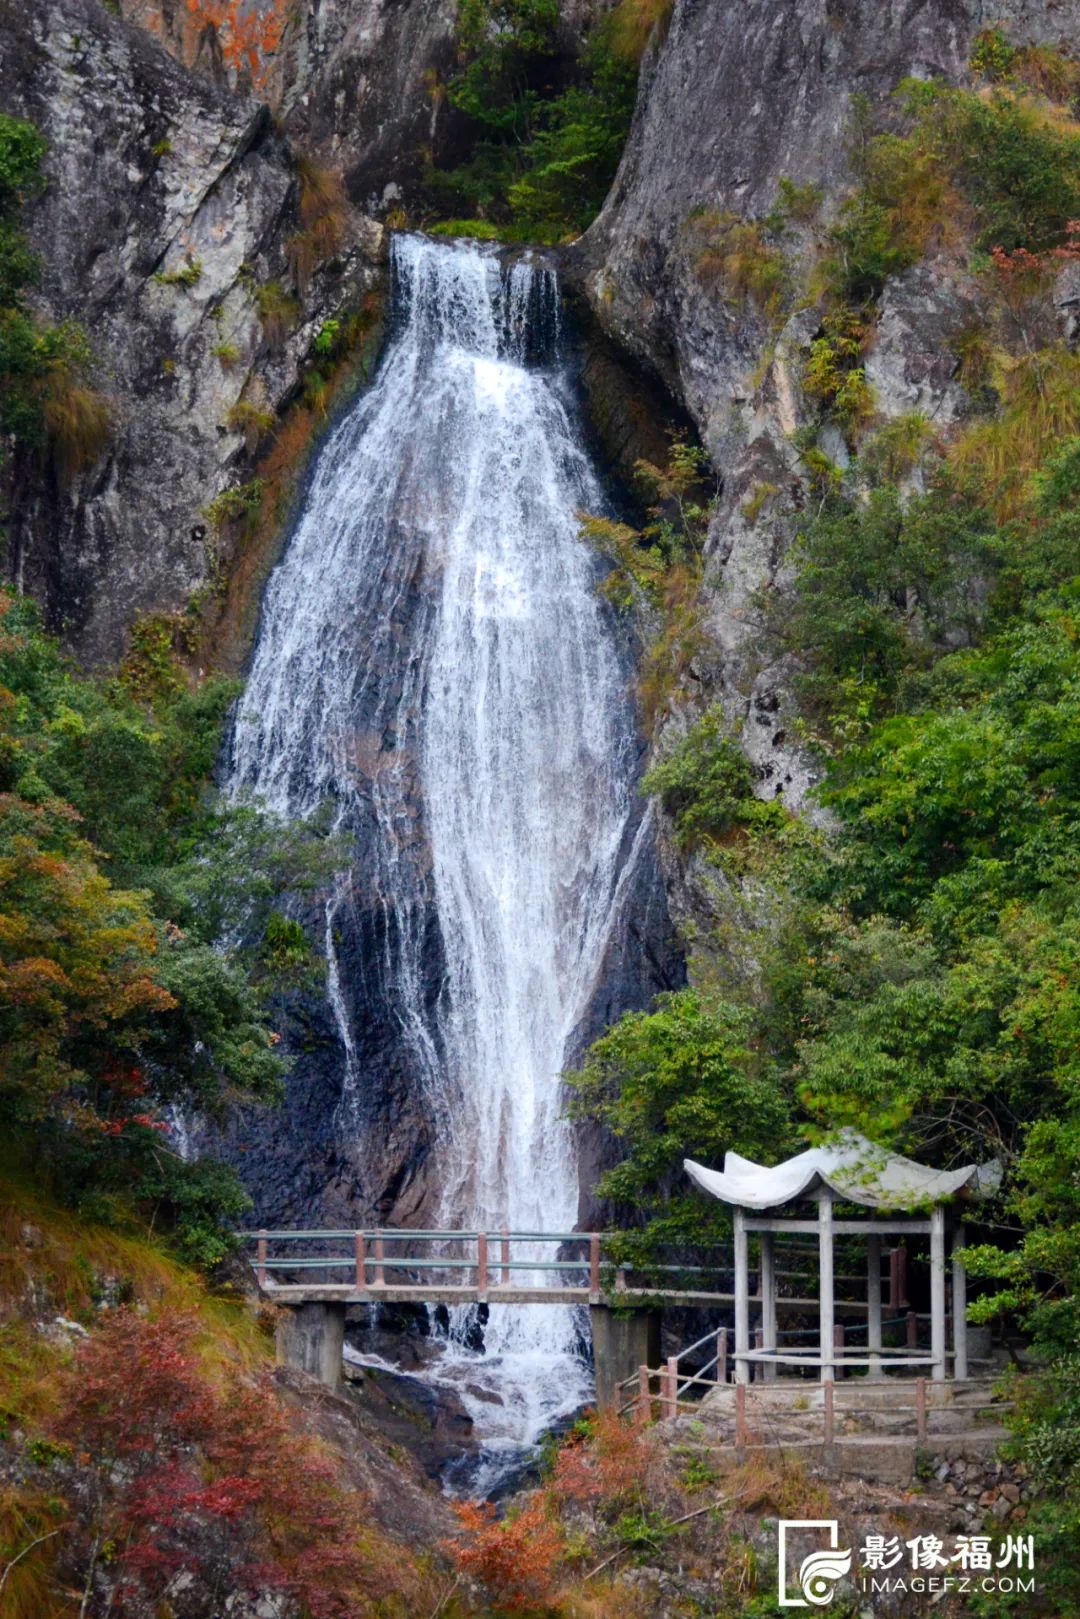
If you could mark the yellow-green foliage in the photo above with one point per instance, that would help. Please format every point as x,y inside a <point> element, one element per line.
<point>250,419</point>
<point>974,352</point>
<point>799,202</point>
<point>54,1262</point>
<point>187,275</point>
<point>733,253</point>
<point>150,670</point>
<point>226,354</point>
<point>895,448</point>
<point>235,505</point>
<point>1049,71</point>
<point>666,662</point>
<point>763,493</point>
<point>277,311</point>
<point>629,24</point>
<point>1041,67</point>
<point>1040,406</point>
<point>636,564</point>
<point>31,1523</point>
<point>834,374</point>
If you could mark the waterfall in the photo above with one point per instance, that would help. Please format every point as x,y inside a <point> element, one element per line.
<point>434,660</point>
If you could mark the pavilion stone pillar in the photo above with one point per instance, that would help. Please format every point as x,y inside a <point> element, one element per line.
<point>873,1301</point>
<point>742,1295</point>
<point>937,1292</point>
<point>768,1303</point>
<point>959,1305</point>
<point>826,1285</point>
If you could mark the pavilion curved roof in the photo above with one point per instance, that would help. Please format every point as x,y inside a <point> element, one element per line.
<point>852,1167</point>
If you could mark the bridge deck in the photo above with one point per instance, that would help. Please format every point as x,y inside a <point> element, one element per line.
<point>510,1293</point>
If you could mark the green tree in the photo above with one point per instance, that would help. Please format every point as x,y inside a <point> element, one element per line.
<point>682,1080</point>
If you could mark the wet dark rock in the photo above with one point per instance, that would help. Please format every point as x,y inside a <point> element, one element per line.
<point>383,1453</point>
<point>427,1419</point>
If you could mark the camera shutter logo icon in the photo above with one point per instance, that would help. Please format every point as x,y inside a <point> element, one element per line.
<point>819,1571</point>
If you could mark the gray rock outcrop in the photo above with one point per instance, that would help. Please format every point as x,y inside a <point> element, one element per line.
<point>154,172</point>
<point>734,100</point>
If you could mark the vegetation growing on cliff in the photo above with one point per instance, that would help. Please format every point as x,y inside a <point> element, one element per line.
<point>915,967</point>
<point>548,122</point>
<point>118,1001</point>
<point>48,407</point>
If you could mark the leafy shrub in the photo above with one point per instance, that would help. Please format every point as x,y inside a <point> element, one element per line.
<point>478,230</point>
<point>22,151</point>
<point>236,505</point>
<point>516,1558</point>
<point>549,131</point>
<point>1019,169</point>
<point>881,587</point>
<point>705,784</point>
<point>799,202</point>
<point>993,57</point>
<point>833,373</point>
<point>182,1477</point>
<point>118,1000</point>
<point>682,1080</point>
<point>1038,66</point>
<point>606,1463</point>
<point>894,448</point>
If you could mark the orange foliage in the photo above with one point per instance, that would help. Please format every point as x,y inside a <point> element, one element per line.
<point>517,1558</point>
<point>77,970</point>
<point>608,1467</point>
<point>1021,275</point>
<point>250,31</point>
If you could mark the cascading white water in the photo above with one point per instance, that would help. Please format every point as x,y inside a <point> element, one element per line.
<point>437,586</point>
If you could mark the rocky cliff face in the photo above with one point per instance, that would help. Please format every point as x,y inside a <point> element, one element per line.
<point>175,198</point>
<point>734,100</point>
<point>356,80</point>
<point>170,204</point>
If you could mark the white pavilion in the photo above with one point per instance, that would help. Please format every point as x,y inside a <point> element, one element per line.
<point>904,1199</point>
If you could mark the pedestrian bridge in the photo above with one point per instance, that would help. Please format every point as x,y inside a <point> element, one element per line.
<point>403,1266</point>
<point>317,1274</point>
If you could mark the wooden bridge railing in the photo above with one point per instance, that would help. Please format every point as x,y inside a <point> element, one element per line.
<point>571,1266</point>
<point>385,1257</point>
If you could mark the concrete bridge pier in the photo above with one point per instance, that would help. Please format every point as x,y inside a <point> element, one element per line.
<point>310,1338</point>
<point>622,1341</point>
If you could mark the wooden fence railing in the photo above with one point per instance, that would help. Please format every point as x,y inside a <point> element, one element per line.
<point>661,1393</point>
<point>561,1261</point>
